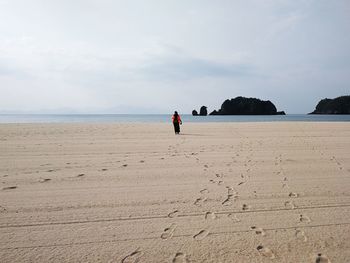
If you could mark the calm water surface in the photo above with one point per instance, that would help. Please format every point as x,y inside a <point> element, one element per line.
<point>160,118</point>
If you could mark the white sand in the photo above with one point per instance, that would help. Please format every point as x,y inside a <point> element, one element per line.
<point>220,192</point>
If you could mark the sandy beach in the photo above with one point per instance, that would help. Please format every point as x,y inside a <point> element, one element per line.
<point>219,192</point>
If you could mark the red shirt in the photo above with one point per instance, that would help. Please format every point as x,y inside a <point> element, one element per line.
<point>178,118</point>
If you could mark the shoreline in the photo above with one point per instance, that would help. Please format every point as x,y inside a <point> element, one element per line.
<point>164,118</point>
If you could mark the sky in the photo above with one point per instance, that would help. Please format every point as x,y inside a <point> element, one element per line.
<point>157,56</point>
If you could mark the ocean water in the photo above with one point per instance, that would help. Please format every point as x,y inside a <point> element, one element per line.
<point>162,118</point>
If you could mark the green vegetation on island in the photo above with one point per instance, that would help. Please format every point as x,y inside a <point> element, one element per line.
<point>339,105</point>
<point>243,106</point>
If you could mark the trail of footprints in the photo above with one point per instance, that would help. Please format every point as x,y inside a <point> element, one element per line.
<point>333,159</point>
<point>45,180</point>
<point>303,219</point>
<point>231,197</point>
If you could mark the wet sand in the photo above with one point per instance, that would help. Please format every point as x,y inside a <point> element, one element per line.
<point>219,192</point>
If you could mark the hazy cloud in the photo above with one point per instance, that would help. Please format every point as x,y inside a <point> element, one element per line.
<point>154,56</point>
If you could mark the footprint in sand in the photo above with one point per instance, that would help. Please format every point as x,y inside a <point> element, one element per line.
<point>301,235</point>
<point>44,180</point>
<point>289,205</point>
<point>134,257</point>
<point>9,188</point>
<point>233,217</point>
<point>201,235</point>
<point>180,258</point>
<point>320,258</point>
<point>266,252</point>
<point>245,207</point>
<point>199,201</point>
<point>204,191</point>
<point>230,190</point>
<point>294,195</point>
<point>227,201</point>
<point>258,230</point>
<point>173,214</point>
<point>168,232</point>
<point>210,215</point>
<point>304,219</point>
<point>230,199</point>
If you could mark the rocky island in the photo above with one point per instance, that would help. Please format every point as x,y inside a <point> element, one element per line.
<point>203,112</point>
<point>247,106</point>
<point>339,105</point>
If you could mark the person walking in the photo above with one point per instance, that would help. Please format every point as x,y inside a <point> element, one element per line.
<point>177,122</point>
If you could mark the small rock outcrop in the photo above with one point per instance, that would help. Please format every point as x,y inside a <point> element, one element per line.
<point>203,111</point>
<point>339,105</point>
<point>247,106</point>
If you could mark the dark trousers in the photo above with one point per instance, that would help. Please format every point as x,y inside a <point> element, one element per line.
<point>177,127</point>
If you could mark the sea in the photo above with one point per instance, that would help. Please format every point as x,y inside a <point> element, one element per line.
<point>163,118</point>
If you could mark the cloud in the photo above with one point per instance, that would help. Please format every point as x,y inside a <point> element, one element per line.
<point>179,68</point>
<point>284,24</point>
<point>94,55</point>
